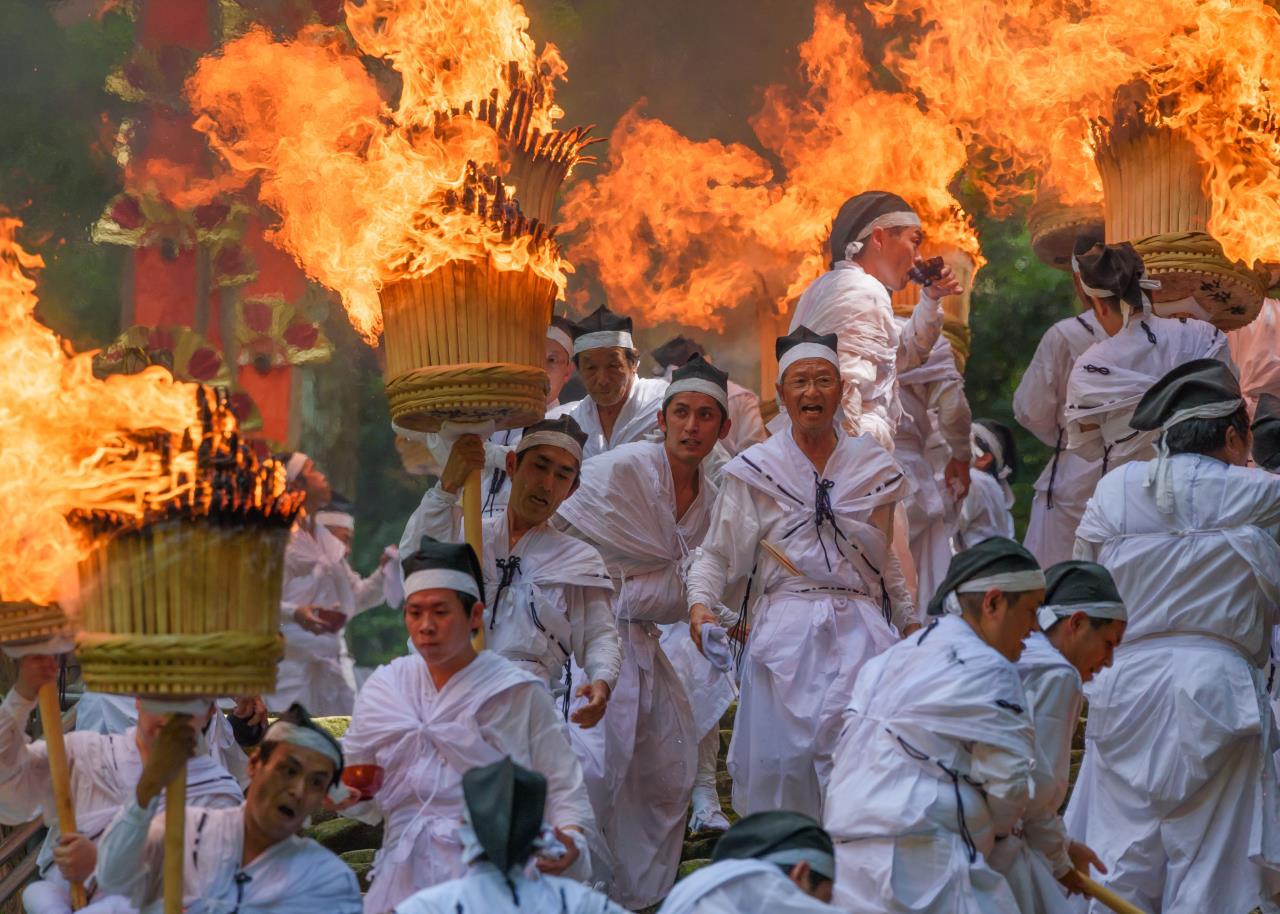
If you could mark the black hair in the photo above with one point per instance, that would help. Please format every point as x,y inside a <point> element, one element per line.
<point>1204,436</point>
<point>1094,622</point>
<point>1008,444</point>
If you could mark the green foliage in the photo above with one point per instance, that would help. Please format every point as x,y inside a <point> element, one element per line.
<point>56,169</point>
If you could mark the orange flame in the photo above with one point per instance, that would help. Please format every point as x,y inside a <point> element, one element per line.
<point>368,195</point>
<point>67,443</point>
<point>720,229</point>
<point>1026,79</point>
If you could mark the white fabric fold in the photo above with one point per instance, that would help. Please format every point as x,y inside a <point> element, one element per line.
<point>1158,469</point>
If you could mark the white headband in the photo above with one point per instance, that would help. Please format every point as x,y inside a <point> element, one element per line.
<point>1051,612</point>
<point>293,467</point>
<point>192,706</point>
<point>822,863</point>
<point>698,386</point>
<point>556,335</point>
<point>553,439</point>
<point>983,434</point>
<point>806,351</point>
<point>283,731</point>
<point>1125,308</point>
<point>888,220</point>
<point>1008,581</point>
<point>336,519</point>
<point>442,579</point>
<point>1158,470</point>
<point>603,339</point>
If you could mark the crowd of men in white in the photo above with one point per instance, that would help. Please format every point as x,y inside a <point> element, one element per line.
<point>908,678</point>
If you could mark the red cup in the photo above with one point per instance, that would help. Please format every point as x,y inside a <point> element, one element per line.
<point>366,780</point>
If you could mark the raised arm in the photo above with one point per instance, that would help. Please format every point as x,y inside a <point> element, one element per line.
<point>439,515</point>
<point>24,765</point>
<point>920,333</point>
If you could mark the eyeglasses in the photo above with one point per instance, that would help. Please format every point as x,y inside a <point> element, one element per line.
<point>823,382</point>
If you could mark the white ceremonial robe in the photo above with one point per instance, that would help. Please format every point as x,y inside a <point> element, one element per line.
<point>104,772</point>
<point>1035,855</point>
<point>296,876</point>
<point>934,428</point>
<point>1178,793</point>
<point>547,599</point>
<point>1111,376</point>
<point>317,670</point>
<point>741,887</point>
<point>810,634</point>
<point>748,424</point>
<point>985,511</point>
<point>856,306</point>
<point>640,761</point>
<point>1064,486</point>
<point>934,763</point>
<point>425,740</point>
<point>639,416</point>
<point>1255,348</point>
<point>483,891</point>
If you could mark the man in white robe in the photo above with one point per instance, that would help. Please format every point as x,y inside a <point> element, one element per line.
<point>1082,621</point>
<point>767,863</point>
<point>551,595</point>
<point>1178,790</point>
<point>246,858</point>
<point>619,407</point>
<point>646,506</point>
<point>936,756</point>
<point>321,595</point>
<point>798,554</point>
<point>1255,349</point>
<point>103,772</point>
<point>1112,375</point>
<point>1064,486</point>
<point>503,831</point>
<point>427,718</point>
<point>875,244</point>
<point>986,510</point>
<point>747,424</point>
<point>933,430</point>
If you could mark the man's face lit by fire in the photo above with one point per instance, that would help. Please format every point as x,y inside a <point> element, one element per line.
<point>899,251</point>
<point>810,389</point>
<point>607,374</point>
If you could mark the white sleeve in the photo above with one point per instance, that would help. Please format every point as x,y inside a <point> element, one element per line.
<point>1006,782</point>
<point>1055,706</point>
<point>594,634</point>
<point>439,516</point>
<point>900,599</point>
<point>368,592</point>
<point>748,425</point>
<point>24,765</point>
<point>728,550</point>
<point>919,333</point>
<point>130,853</point>
<point>1035,402</point>
<point>852,315</point>
<point>955,419</point>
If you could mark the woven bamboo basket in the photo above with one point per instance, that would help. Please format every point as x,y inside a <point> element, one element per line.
<point>23,621</point>
<point>183,607</point>
<point>465,343</point>
<point>955,308</point>
<point>1152,181</point>
<point>1054,226</point>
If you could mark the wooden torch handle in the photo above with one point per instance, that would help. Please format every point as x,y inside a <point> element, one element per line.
<point>175,813</point>
<point>471,519</point>
<point>1107,897</point>
<point>59,772</point>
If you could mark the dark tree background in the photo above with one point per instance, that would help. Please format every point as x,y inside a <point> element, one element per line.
<point>701,67</point>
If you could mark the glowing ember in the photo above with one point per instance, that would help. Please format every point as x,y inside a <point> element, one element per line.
<point>77,444</point>
<point>1028,79</point>
<point>719,229</point>
<point>364,191</point>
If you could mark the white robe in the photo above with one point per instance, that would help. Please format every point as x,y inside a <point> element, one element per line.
<point>1064,486</point>
<point>1112,375</point>
<point>741,887</point>
<point>856,306</point>
<point>640,761</point>
<point>1255,348</point>
<point>483,891</point>
<point>985,511</point>
<point>638,417</point>
<point>425,740</point>
<point>1178,791</point>
<point>934,763</point>
<point>810,634</point>
<point>748,424</point>
<point>934,428</point>
<point>1035,855</point>
<point>317,670</point>
<point>557,600</point>
<point>104,771</point>
<point>296,876</point>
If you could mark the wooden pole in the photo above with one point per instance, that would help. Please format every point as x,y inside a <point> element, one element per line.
<point>59,772</point>
<point>471,520</point>
<point>1107,897</point>
<point>175,814</point>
